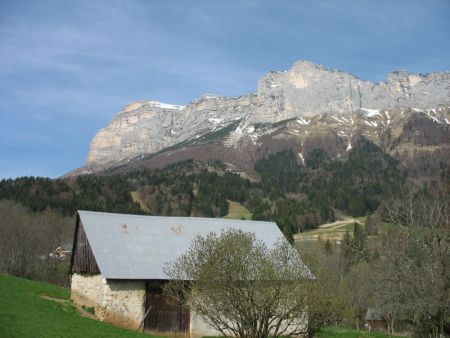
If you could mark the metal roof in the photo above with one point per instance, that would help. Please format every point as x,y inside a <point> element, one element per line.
<point>138,247</point>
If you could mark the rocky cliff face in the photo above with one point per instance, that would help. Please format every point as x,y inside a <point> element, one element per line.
<point>309,89</point>
<point>315,97</point>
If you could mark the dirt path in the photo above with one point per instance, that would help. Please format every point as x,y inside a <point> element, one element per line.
<point>337,223</point>
<point>82,311</point>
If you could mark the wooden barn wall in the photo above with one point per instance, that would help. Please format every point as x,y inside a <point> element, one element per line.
<point>83,258</point>
<point>164,315</point>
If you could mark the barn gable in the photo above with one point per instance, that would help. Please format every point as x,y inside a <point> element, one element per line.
<point>82,259</point>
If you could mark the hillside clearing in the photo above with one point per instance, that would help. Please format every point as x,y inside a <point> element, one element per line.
<point>237,211</point>
<point>33,309</point>
<point>137,199</point>
<point>333,231</point>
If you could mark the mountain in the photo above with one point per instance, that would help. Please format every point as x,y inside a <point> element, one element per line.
<point>305,108</point>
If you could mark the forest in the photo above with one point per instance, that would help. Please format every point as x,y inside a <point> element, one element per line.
<point>297,197</point>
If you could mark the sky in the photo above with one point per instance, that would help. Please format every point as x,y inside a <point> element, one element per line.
<point>68,66</point>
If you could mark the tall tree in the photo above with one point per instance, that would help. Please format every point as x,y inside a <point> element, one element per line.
<point>413,276</point>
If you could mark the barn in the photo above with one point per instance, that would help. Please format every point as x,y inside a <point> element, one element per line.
<point>374,320</point>
<point>117,266</point>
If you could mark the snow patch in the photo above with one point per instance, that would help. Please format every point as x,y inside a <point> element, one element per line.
<point>337,119</point>
<point>447,121</point>
<point>388,118</point>
<point>371,124</point>
<point>166,105</point>
<point>302,121</point>
<point>250,129</point>
<point>274,85</point>
<point>210,96</point>
<point>215,121</point>
<point>371,112</point>
<point>434,118</point>
<point>301,157</point>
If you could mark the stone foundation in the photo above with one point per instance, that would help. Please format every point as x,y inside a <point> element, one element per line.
<point>122,303</point>
<point>118,302</point>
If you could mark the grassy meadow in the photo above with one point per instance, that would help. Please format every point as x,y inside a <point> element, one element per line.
<point>238,211</point>
<point>33,309</point>
<point>339,332</point>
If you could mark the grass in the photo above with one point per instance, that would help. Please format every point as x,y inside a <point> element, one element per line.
<point>25,313</point>
<point>333,232</point>
<point>237,211</point>
<point>339,332</point>
<point>136,198</point>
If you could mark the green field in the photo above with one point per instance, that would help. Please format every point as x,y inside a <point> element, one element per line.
<point>333,231</point>
<point>237,211</point>
<point>137,199</point>
<point>338,332</point>
<point>25,313</point>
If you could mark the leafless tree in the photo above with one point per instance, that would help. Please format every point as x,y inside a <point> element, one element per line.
<point>413,275</point>
<point>26,240</point>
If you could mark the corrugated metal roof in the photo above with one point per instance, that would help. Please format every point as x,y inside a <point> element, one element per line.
<point>138,247</point>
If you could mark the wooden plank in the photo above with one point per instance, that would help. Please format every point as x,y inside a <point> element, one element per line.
<point>83,257</point>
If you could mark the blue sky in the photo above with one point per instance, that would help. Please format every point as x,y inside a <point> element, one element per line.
<point>67,67</point>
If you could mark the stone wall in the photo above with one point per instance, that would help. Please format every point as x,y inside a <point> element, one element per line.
<point>122,303</point>
<point>198,328</point>
<point>118,302</point>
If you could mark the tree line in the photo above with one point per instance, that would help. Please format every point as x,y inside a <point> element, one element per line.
<point>404,275</point>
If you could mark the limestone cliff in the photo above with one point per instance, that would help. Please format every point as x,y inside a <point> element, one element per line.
<point>305,91</point>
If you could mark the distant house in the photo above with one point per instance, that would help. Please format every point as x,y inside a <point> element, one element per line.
<point>117,266</point>
<point>374,320</point>
<point>61,252</point>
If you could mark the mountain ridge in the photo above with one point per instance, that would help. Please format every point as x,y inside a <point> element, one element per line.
<point>304,92</point>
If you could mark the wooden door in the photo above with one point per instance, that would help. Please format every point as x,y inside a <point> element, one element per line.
<point>165,315</point>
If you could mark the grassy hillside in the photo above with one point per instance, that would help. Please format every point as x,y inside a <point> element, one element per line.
<point>33,309</point>
<point>338,332</point>
<point>333,231</point>
<point>237,211</point>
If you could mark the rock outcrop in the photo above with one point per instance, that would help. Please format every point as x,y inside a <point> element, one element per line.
<point>304,92</point>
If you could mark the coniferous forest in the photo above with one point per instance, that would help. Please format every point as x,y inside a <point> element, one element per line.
<point>295,196</point>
